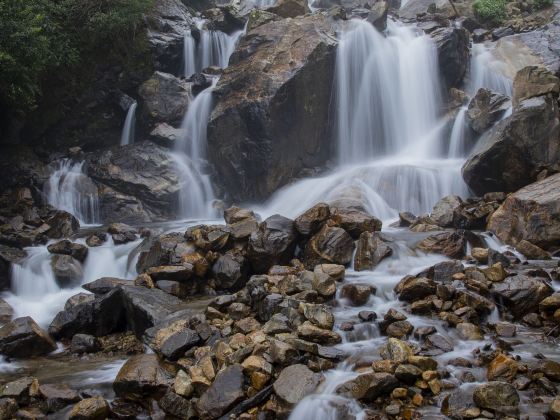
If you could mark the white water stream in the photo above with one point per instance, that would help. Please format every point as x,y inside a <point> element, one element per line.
<point>127,136</point>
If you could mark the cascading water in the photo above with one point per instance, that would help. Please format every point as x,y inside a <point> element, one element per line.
<point>69,189</point>
<point>197,195</point>
<point>390,134</point>
<point>127,136</point>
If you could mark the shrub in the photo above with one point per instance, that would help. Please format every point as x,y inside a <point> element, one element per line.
<point>541,4</point>
<point>490,11</point>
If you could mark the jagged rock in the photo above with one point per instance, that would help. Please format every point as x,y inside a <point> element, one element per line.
<point>495,395</point>
<point>272,244</point>
<point>329,245</point>
<point>94,408</point>
<point>61,225</point>
<point>57,396</point>
<point>230,270</point>
<point>23,338</point>
<point>294,383</point>
<point>354,221</point>
<point>485,109</point>
<point>258,140</point>
<point>452,45</point>
<point>452,244</point>
<point>105,285</point>
<point>223,394</point>
<point>99,316</point>
<point>66,247</point>
<point>142,376</point>
<point>532,81</point>
<point>371,250</point>
<point>178,343</point>
<point>8,256</point>
<point>515,150</point>
<point>144,171</point>
<point>522,294</point>
<point>311,220</point>
<point>161,251</point>
<point>319,315</point>
<point>6,312</point>
<point>530,214</point>
<point>165,97</point>
<point>66,269</point>
<point>444,209</point>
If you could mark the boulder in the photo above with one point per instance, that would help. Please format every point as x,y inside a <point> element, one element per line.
<point>414,8</point>
<point>368,386</point>
<point>174,288</point>
<point>231,271</point>
<point>444,209</point>
<point>354,221</point>
<point>166,135</point>
<point>66,247</point>
<point>411,289</point>
<point>142,376</point>
<point>94,408</point>
<point>315,334</point>
<point>496,396</point>
<point>61,224</point>
<point>532,252</point>
<point>165,97</point>
<point>289,8</point>
<point>294,383</point>
<point>515,150</point>
<point>161,251</point>
<point>262,133</point>
<point>312,220</point>
<point>66,269</point>
<point>530,214</point>
<point>485,109</point>
<point>521,294</point>
<point>273,243</point>
<point>223,394</point>
<point>329,245</point>
<point>23,338</point>
<point>451,244</point>
<point>357,293</point>
<point>452,45</point>
<point>533,81</point>
<point>143,171</point>
<point>8,256</point>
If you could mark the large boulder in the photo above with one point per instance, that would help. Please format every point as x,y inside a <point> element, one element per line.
<point>271,120</point>
<point>273,243</point>
<point>231,271</point>
<point>515,150</point>
<point>521,294</point>
<point>530,214</point>
<point>142,376</point>
<point>371,250</point>
<point>329,245</point>
<point>165,96</point>
<point>143,171</point>
<point>22,338</point>
<point>485,108</point>
<point>66,269</point>
<point>452,45</point>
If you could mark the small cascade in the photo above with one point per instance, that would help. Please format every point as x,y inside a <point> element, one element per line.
<point>209,48</point>
<point>127,136</point>
<point>197,195</point>
<point>457,140</point>
<point>69,189</point>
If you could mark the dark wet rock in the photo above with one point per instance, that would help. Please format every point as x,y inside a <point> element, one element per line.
<point>99,316</point>
<point>23,338</point>
<point>357,293</point>
<point>272,244</point>
<point>530,214</point>
<point>105,285</point>
<point>57,396</point>
<point>94,408</point>
<point>6,312</point>
<point>329,245</point>
<point>521,294</point>
<point>61,225</point>
<point>231,271</point>
<point>371,250</point>
<point>452,45</point>
<point>77,299</point>
<point>165,98</point>
<point>142,376</point>
<point>176,405</point>
<point>485,109</point>
<point>8,256</point>
<point>66,269</point>
<point>289,8</point>
<point>96,239</point>
<point>145,308</point>
<point>261,139</point>
<point>411,288</point>
<point>368,386</point>
<point>451,244</point>
<point>354,221</point>
<point>223,394</point>
<point>178,343</point>
<point>495,396</point>
<point>143,171</point>
<point>367,316</point>
<point>295,382</point>
<point>311,220</point>
<point>66,247</point>
<point>515,150</point>
<point>84,343</point>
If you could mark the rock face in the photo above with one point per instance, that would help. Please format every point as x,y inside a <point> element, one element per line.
<point>511,154</point>
<point>22,337</point>
<point>530,214</point>
<point>485,109</point>
<point>453,53</point>
<point>271,119</point>
<point>142,182</point>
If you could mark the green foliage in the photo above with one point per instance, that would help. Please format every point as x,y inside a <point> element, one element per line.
<point>41,38</point>
<point>490,11</point>
<point>541,4</point>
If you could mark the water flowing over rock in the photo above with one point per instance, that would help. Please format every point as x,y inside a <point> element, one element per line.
<point>530,214</point>
<point>264,108</point>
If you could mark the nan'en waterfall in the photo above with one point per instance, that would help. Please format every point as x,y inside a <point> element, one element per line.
<point>281,209</point>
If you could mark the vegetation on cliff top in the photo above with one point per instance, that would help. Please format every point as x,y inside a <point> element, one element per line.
<point>39,38</point>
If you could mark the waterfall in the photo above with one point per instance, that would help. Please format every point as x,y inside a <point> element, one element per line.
<point>127,136</point>
<point>488,71</point>
<point>69,189</point>
<point>213,48</point>
<point>391,150</point>
<point>457,146</point>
